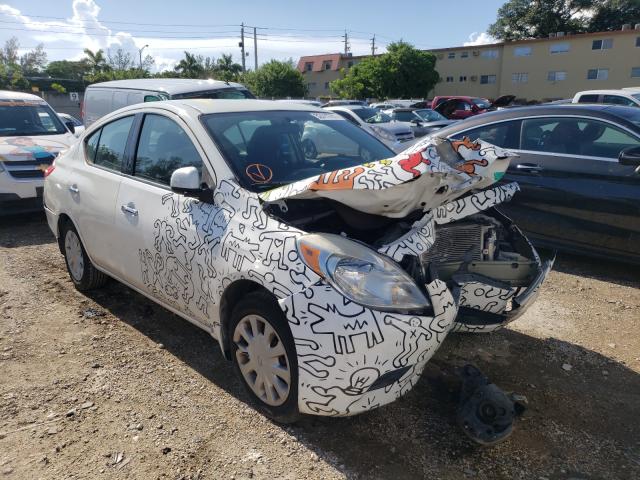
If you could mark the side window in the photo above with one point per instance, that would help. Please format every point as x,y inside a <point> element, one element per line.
<point>162,148</point>
<point>503,134</point>
<point>91,146</point>
<point>600,139</point>
<point>404,116</point>
<point>113,139</point>
<point>588,99</point>
<point>617,100</point>
<point>462,105</point>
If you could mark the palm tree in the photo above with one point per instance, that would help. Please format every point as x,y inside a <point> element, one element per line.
<point>227,68</point>
<point>190,66</point>
<point>96,61</point>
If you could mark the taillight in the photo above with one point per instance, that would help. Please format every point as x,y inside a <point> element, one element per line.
<point>49,170</point>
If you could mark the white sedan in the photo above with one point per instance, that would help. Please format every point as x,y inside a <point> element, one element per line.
<point>321,278</point>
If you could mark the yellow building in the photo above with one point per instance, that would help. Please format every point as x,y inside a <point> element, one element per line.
<point>541,69</point>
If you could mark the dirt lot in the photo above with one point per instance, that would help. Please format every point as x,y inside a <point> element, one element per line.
<point>109,385</point>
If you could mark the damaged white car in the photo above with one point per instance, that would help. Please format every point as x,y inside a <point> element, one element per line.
<point>329,280</point>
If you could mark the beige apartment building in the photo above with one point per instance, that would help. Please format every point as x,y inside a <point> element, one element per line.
<point>541,69</point>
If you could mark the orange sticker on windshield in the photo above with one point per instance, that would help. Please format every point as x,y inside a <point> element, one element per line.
<point>259,173</point>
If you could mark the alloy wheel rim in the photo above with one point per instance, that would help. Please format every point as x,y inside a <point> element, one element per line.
<point>73,254</point>
<point>262,359</point>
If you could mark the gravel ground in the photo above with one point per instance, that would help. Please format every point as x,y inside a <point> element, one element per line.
<point>110,385</point>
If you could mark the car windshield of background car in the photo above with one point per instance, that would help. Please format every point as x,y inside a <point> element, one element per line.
<point>371,115</point>
<point>17,119</point>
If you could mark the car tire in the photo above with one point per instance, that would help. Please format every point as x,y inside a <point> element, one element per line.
<point>258,331</point>
<point>82,272</point>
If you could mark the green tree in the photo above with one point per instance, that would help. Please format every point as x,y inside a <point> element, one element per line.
<point>190,66</point>
<point>34,62</point>
<point>120,61</point>
<point>58,88</point>
<point>226,69</point>
<point>69,70</point>
<point>402,72</point>
<point>96,61</point>
<point>276,79</point>
<point>522,19</point>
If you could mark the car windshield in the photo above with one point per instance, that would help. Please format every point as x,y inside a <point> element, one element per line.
<point>372,115</point>
<point>481,103</point>
<point>430,115</point>
<point>268,149</point>
<point>636,96</point>
<point>632,114</point>
<point>18,118</point>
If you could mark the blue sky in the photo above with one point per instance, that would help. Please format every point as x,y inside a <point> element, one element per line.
<point>291,28</point>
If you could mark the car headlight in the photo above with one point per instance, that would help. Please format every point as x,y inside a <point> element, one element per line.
<point>360,274</point>
<point>381,132</point>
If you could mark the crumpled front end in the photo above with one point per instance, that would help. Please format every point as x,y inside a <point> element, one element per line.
<point>352,358</point>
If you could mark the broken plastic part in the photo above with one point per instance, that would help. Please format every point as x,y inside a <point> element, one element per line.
<point>485,413</point>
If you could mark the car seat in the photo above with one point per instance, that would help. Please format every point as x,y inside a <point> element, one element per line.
<point>565,138</point>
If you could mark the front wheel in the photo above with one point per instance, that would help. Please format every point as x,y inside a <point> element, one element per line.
<point>82,272</point>
<point>264,356</point>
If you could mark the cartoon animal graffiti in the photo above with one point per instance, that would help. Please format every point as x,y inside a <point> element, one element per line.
<point>410,163</point>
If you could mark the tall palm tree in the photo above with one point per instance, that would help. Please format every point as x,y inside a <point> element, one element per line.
<point>190,66</point>
<point>227,68</point>
<point>96,60</point>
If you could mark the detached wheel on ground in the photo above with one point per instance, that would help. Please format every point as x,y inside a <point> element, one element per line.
<point>264,356</point>
<point>82,272</point>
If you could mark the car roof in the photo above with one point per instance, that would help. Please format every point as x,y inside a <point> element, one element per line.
<point>172,86</point>
<point>605,91</point>
<point>348,107</point>
<point>11,95</point>
<point>598,110</point>
<point>207,105</point>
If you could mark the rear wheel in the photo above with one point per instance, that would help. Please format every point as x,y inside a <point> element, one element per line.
<point>82,272</point>
<point>264,356</point>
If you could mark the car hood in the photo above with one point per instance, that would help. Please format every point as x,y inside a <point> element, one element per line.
<point>503,101</point>
<point>34,147</point>
<point>430,173</point>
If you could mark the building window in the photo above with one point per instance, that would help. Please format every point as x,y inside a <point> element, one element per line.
<point>635,72</point>
<point>522,52</point>
<point>311,85</point>
<point>519,77</point>
<point>308,66</point>
<point>452,55</point>
<point>487,79</point>
<point>449,79</point>
<point>464,55</point>
<point>557,76</point>
<point>597,74</point>
<point>326,85</point>
<point>605,44</point>
<point>326,65</point>
<point>463,78</point>
<point>559,48</point>
<point>489,54</point>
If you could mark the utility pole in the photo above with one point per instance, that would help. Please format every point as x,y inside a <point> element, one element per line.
<point>255,50</point>
<point>373,45</point>
<point>241,45</point>
<point>140,54</point>
<point>346,42</point>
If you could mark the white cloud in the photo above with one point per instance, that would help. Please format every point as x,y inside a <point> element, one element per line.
<point>66,39</point>
<point>479,38</point>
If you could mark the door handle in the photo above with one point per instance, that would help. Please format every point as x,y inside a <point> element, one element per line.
<point>74,188</point>
<point>130,210</point>
<point>529,167</point>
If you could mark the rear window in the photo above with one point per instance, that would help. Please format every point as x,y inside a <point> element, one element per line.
<point>588,99</point>
<point>232,93</point>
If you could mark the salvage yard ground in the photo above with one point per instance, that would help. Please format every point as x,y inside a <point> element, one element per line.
<point>110,385</point>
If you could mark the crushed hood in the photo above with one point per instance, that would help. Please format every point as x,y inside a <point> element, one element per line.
<point>430,173</point>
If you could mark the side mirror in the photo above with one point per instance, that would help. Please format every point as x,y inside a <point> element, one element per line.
<point>70,126</point>
<point>186,181</point>
<point>630,156</point>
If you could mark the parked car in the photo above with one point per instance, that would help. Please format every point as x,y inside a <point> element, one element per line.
<point>627,97</point>
<point>460,107</point>
<point>580,191</point>
<point>396,135</point>
<point>106,97</point>
<point>313,103</point>
<point>77,124</point>
<point>31,136</point>
<point>383,105</point>
<point>423,120</point>
<point>329,281</point>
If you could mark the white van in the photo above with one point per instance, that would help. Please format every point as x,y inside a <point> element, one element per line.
<point>106,97</point>
<point>629,97</point>
<point>31,137</point>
